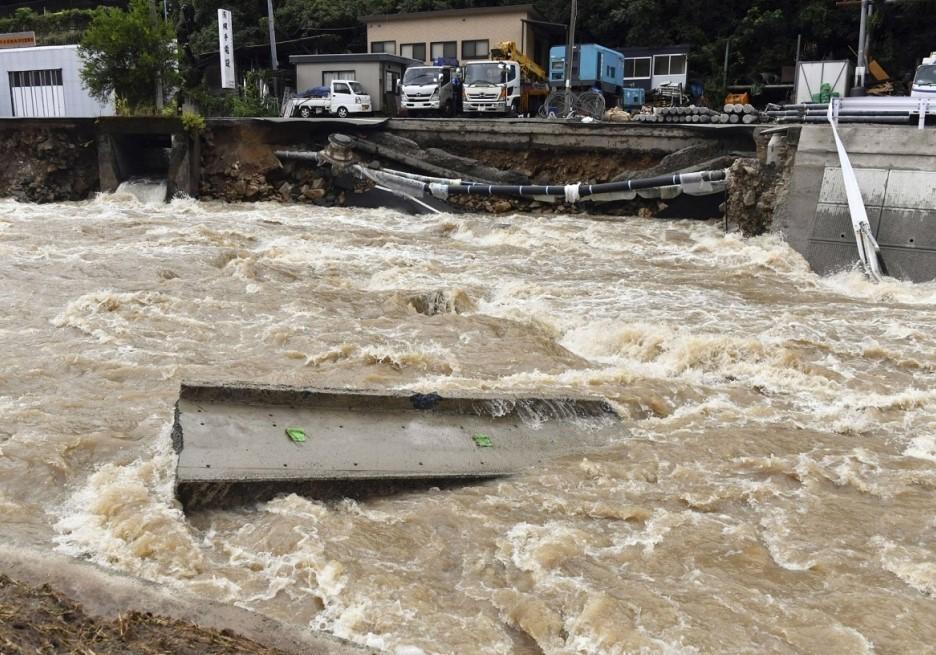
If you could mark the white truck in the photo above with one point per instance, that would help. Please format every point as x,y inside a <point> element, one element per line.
<point>491,87</point>
<point>924,82</point>
<point>510,83</point>
<point>428,89</point>
<point>340,98</point>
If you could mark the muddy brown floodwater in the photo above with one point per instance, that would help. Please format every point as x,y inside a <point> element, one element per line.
<point>771,490</point>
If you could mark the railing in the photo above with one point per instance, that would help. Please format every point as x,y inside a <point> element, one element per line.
<point>885,109</point>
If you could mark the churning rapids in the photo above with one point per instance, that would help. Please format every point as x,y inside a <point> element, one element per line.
<point>772,490</point>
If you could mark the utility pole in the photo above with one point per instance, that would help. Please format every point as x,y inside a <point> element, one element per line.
<point>274,63</point>
<point>862,56</point>
<point>159,82</point>
<point>570,50</point>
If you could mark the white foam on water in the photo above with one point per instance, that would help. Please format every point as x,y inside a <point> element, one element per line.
<point>143,191</point>
<point>768,407</point>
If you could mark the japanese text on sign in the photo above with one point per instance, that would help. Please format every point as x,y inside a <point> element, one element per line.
<point>226,48</point>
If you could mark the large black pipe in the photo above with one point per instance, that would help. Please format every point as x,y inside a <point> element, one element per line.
<point>587,189</point>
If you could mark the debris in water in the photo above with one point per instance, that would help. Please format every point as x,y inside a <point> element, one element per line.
<point>296,434</point>
<point>482,440</point>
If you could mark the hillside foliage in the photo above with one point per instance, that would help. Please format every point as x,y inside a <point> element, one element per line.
<point>762,33</point>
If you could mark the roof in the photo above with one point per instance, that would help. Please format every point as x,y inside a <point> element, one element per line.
<point>34,48</point>
<point>361,57</point>
<point>443,13</point>
<point>656,50</point>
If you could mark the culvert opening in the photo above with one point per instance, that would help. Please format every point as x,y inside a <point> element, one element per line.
<point>143,156</point>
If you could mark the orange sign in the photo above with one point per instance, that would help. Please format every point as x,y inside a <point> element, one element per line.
<point>18,40</point>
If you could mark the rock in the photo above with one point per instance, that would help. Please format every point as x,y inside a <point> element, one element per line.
<point>501,206</point>
<point>285,191</point>
<point>313,194</point>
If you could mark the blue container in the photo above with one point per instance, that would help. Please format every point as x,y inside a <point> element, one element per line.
<point>632,97</point>
<point>593,66</point>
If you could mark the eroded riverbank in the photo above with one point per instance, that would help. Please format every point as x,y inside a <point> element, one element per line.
<point>773,489</point>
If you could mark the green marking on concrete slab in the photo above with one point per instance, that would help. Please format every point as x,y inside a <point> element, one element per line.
<point>482,440</point>
<point>298,435</point>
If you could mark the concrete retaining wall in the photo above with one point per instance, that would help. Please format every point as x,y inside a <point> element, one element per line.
<point>896,169</point>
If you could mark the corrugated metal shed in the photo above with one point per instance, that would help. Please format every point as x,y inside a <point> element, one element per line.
<point>25,91</point>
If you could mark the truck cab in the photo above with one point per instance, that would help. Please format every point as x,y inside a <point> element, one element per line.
<point>340,98</point>
<point>429,89</point>
<point>924,82</point>
<point>491,87</point>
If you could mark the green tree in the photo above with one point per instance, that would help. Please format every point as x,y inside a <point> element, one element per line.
<point>128,53</point>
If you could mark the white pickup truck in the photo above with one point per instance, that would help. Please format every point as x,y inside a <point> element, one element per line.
<point>340,98</point>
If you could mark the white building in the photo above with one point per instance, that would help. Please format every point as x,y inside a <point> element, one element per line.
<point>44,82</point>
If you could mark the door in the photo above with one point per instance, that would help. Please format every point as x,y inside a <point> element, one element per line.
<point>341,96</point>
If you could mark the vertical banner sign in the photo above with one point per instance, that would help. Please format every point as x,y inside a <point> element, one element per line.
<point>226,43</point>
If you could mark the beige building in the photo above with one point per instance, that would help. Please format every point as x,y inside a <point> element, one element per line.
<point>462,34</point>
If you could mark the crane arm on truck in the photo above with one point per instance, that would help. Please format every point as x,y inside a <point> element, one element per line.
<point>508,50</point>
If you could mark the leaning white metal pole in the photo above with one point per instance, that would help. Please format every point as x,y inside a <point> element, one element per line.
<point>867,246</point>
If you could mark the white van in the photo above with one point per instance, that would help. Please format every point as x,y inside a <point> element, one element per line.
<point>341,98</point>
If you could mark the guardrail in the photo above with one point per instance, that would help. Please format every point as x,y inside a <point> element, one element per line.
<point>868,109</point>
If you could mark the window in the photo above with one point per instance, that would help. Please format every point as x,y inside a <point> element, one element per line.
<point>341,87</point>
<point>612,72</point>
<point>445,49</point>
<point>475,49</point>
<point>669,65</point>
<point>49,77</point>
<point>637,68</point>
<point>415,51</point>
<point>37,93</point>
<point>386,47</point>
<point>328,76</point>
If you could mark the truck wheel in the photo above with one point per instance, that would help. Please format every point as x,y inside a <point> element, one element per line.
<point>305,112</point>
<point>342,112</point>
<point>513,113</point>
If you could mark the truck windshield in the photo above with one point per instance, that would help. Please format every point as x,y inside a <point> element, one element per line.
<point>925,76</point>
<point>421,76</point>
<point>484,74</point>
<point>357,88</point>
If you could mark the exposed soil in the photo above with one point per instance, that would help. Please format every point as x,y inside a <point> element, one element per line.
<point>48,164</point>
<point>755,189</point>
<point>558,167</point>
<point>39,620</point>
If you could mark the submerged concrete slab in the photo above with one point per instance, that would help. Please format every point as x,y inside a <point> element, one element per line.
<point>233,446</point>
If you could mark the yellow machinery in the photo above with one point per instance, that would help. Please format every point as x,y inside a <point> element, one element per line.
<point>508,50</point>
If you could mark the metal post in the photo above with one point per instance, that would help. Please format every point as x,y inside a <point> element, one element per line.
<point>274,63</point>
<point>725,69</point>
<point>862,63</point>
<point>570,50</point>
